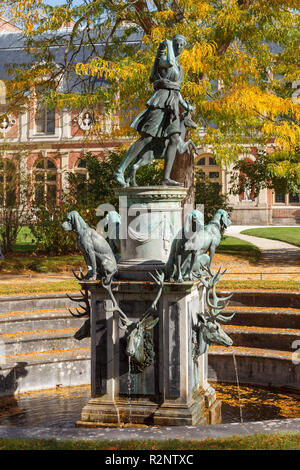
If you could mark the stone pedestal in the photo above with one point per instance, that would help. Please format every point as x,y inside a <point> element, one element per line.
<point>151,218</point>
<point>174,389</point>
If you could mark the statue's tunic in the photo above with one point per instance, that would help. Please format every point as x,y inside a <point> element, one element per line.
<point>161,118</point>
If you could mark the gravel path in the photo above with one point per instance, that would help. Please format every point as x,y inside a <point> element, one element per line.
<point>264,244</point>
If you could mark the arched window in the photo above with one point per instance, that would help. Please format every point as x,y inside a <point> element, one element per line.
<point>201,162</point>
<point>45,182</point>
<point>81,169</point>
<point>79,180</point>
<point>8,183</point>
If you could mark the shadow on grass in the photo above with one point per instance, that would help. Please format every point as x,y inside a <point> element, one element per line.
<point>18,263</point>
<point>237,247</point>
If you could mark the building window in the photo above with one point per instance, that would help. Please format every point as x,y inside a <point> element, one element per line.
<point>45,121</point>
<point>81,169</point>
<point>44,118</point>
<point>8,183</point>
<point>286,199</point>
<point>45,182</point>
<point>210,168</point>
<point>82,175</point>
<point>201,162</point>
<point>294,198</point>
<point>214,174</point>
<point>279,198</point>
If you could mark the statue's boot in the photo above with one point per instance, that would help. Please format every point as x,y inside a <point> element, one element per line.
<point>169,182</point>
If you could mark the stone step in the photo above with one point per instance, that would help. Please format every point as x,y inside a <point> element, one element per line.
<point>264,316</point>
<point>263,337</point>
<point>37,345</point>
<point>43,370</point>
<point>40,340</point>
<point>20,303</point>
<point>40,319</point>
<point>257,366</point>
<point>263,298</point>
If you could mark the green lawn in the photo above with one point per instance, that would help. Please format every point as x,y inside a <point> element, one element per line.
<point>235,246</point>
<point>285,234</point>
<point>25,241</point>
<point>24,258</point>
<point>287,441</point>
<point>16,263</point>
<point>31,287</point>
<point>257,284</point>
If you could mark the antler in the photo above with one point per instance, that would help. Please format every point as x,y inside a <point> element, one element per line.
<point>86,308</point>
<point>81,275</point>
<point>159,279</point>
<point>115,308</point>
<point>214,307</point>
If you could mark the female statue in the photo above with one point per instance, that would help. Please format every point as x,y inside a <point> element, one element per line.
<point>159,123</point>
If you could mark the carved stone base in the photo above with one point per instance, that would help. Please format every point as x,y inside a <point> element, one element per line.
<point>151,218</point>
<point>142,412</point>
<point>138,270</point>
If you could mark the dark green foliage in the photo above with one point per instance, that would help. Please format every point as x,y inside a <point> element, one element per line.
<point>100,186</point>
<point>209,194</point>
<point>150,175</point>
<point>252,175</point>
<point>84,195</point>
<point>46,229</point>
<point>263,173</point>
<point>14,194</point>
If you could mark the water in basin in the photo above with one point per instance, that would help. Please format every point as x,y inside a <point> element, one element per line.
<point>62,407</point>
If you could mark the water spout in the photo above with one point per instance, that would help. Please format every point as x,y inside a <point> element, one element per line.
<point>238,385</point>
<point>129,387</point>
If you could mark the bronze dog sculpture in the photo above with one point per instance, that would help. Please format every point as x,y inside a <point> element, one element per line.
<point>210,240</point>
<point>98,255</point>
<point>185,247</point>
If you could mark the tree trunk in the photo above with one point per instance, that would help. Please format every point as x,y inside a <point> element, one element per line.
<point>183,171</point>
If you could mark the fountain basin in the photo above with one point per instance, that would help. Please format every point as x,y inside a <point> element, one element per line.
<point>61,407</point>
